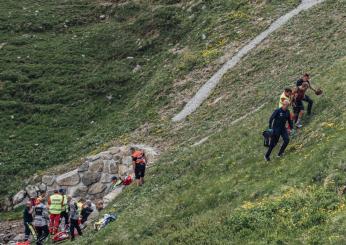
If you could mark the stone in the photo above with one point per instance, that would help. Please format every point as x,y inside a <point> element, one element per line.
<point>48,179</point>
<point>68,179</point>
<point>97,188</point>
<point>22,203</point>
<point>113,168</point>
<point>19,197</point>
<point>107,165</point>
<point>106,155</point>
<point>114,150</point>
<point>78,191</point>
<point>91,178</point>
<point>42,187</point>
<point>106,178</point>
<point>84,167</point>
<point>111,196</point>
<point>19,238</point>
<point>32,191</point>
<point>127,160</point>
<point>93,158</point>
<point>123,170</point>
<point>96,166</point>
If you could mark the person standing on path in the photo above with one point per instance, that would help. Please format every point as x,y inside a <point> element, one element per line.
<point>74,217</point>
<point>27,219</point>
<point>139,162</point>
<point>277,124</point>
<point>55,202</point>
<point>41,219</point>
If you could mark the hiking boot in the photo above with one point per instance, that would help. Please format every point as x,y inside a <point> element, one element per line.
<point>267,159</point>
<point>299,125</point>
<point>280,155</point>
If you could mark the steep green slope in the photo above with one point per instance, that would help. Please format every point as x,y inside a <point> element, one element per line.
<point>222,191</point>
<point>68,82</point>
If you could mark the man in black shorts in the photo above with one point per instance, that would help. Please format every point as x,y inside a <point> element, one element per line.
<point>305,79</point>
<point>298,107</point>
<point>139,162</point>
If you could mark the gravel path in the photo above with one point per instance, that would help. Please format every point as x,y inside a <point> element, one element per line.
<point>208,87</point>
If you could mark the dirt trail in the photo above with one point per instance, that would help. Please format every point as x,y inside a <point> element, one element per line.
<point>208,87</point>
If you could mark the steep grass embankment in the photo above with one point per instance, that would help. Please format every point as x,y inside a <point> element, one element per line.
<point>78,74</point>
<point>222,191</point>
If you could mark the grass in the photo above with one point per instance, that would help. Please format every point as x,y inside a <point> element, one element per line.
<point>67,84</point>
<point>221,191</point>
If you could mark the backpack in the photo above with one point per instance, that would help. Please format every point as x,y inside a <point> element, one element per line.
<point>127,180</point>
<point>266,137</point>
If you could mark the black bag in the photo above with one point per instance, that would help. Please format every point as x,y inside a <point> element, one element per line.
<point>266,137</point>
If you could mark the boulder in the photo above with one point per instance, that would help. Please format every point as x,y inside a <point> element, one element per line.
<point>78,191</point>
<point>84,167</point>
<point>93,158</point>
<point>91,178</point>
<point>110,167</point>
<point>48,180</point>
<point>42,187</point>
<point>22,203</point>
<point>97,188</point>
<point>106,155</point>
<point>114,150</point>
<point>19,197</point>
<point>68,179</point>
<point>127,160</point>
<point>96,166</point>
<point>123,170</point>
<point>32,191</point>
<point>106,178</point>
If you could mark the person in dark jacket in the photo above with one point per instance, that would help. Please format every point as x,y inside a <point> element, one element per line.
<point>28,219</point>
<point>86,211</point>
<point>305,79</point>
<point>277,125</point>
<point>74,217</point>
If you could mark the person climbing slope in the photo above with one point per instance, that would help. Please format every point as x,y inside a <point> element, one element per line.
<point>305,79</point>
<point>139,162</point>
<point>286,95</point>
<point>55,202</point>
<point>277,124</point>
<point>297,101</point>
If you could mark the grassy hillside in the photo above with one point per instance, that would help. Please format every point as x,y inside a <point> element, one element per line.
<point>80,73</point>
<point>222,191</point>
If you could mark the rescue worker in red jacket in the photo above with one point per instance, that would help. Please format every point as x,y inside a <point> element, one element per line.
<point>139,162</point>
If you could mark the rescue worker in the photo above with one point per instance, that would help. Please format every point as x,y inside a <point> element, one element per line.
<point>305,79</point>
<point>41,219</point>
<point>277,125</point>
<point>64,214</point>
<point>74,217</point>
<point>298,106</point>
<point>55,202</point>
<point>27,219</point>
<point>139,162</point>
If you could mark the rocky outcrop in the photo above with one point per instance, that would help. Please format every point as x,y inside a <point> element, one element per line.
<point>91,179</point>
<point>68,179</point>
